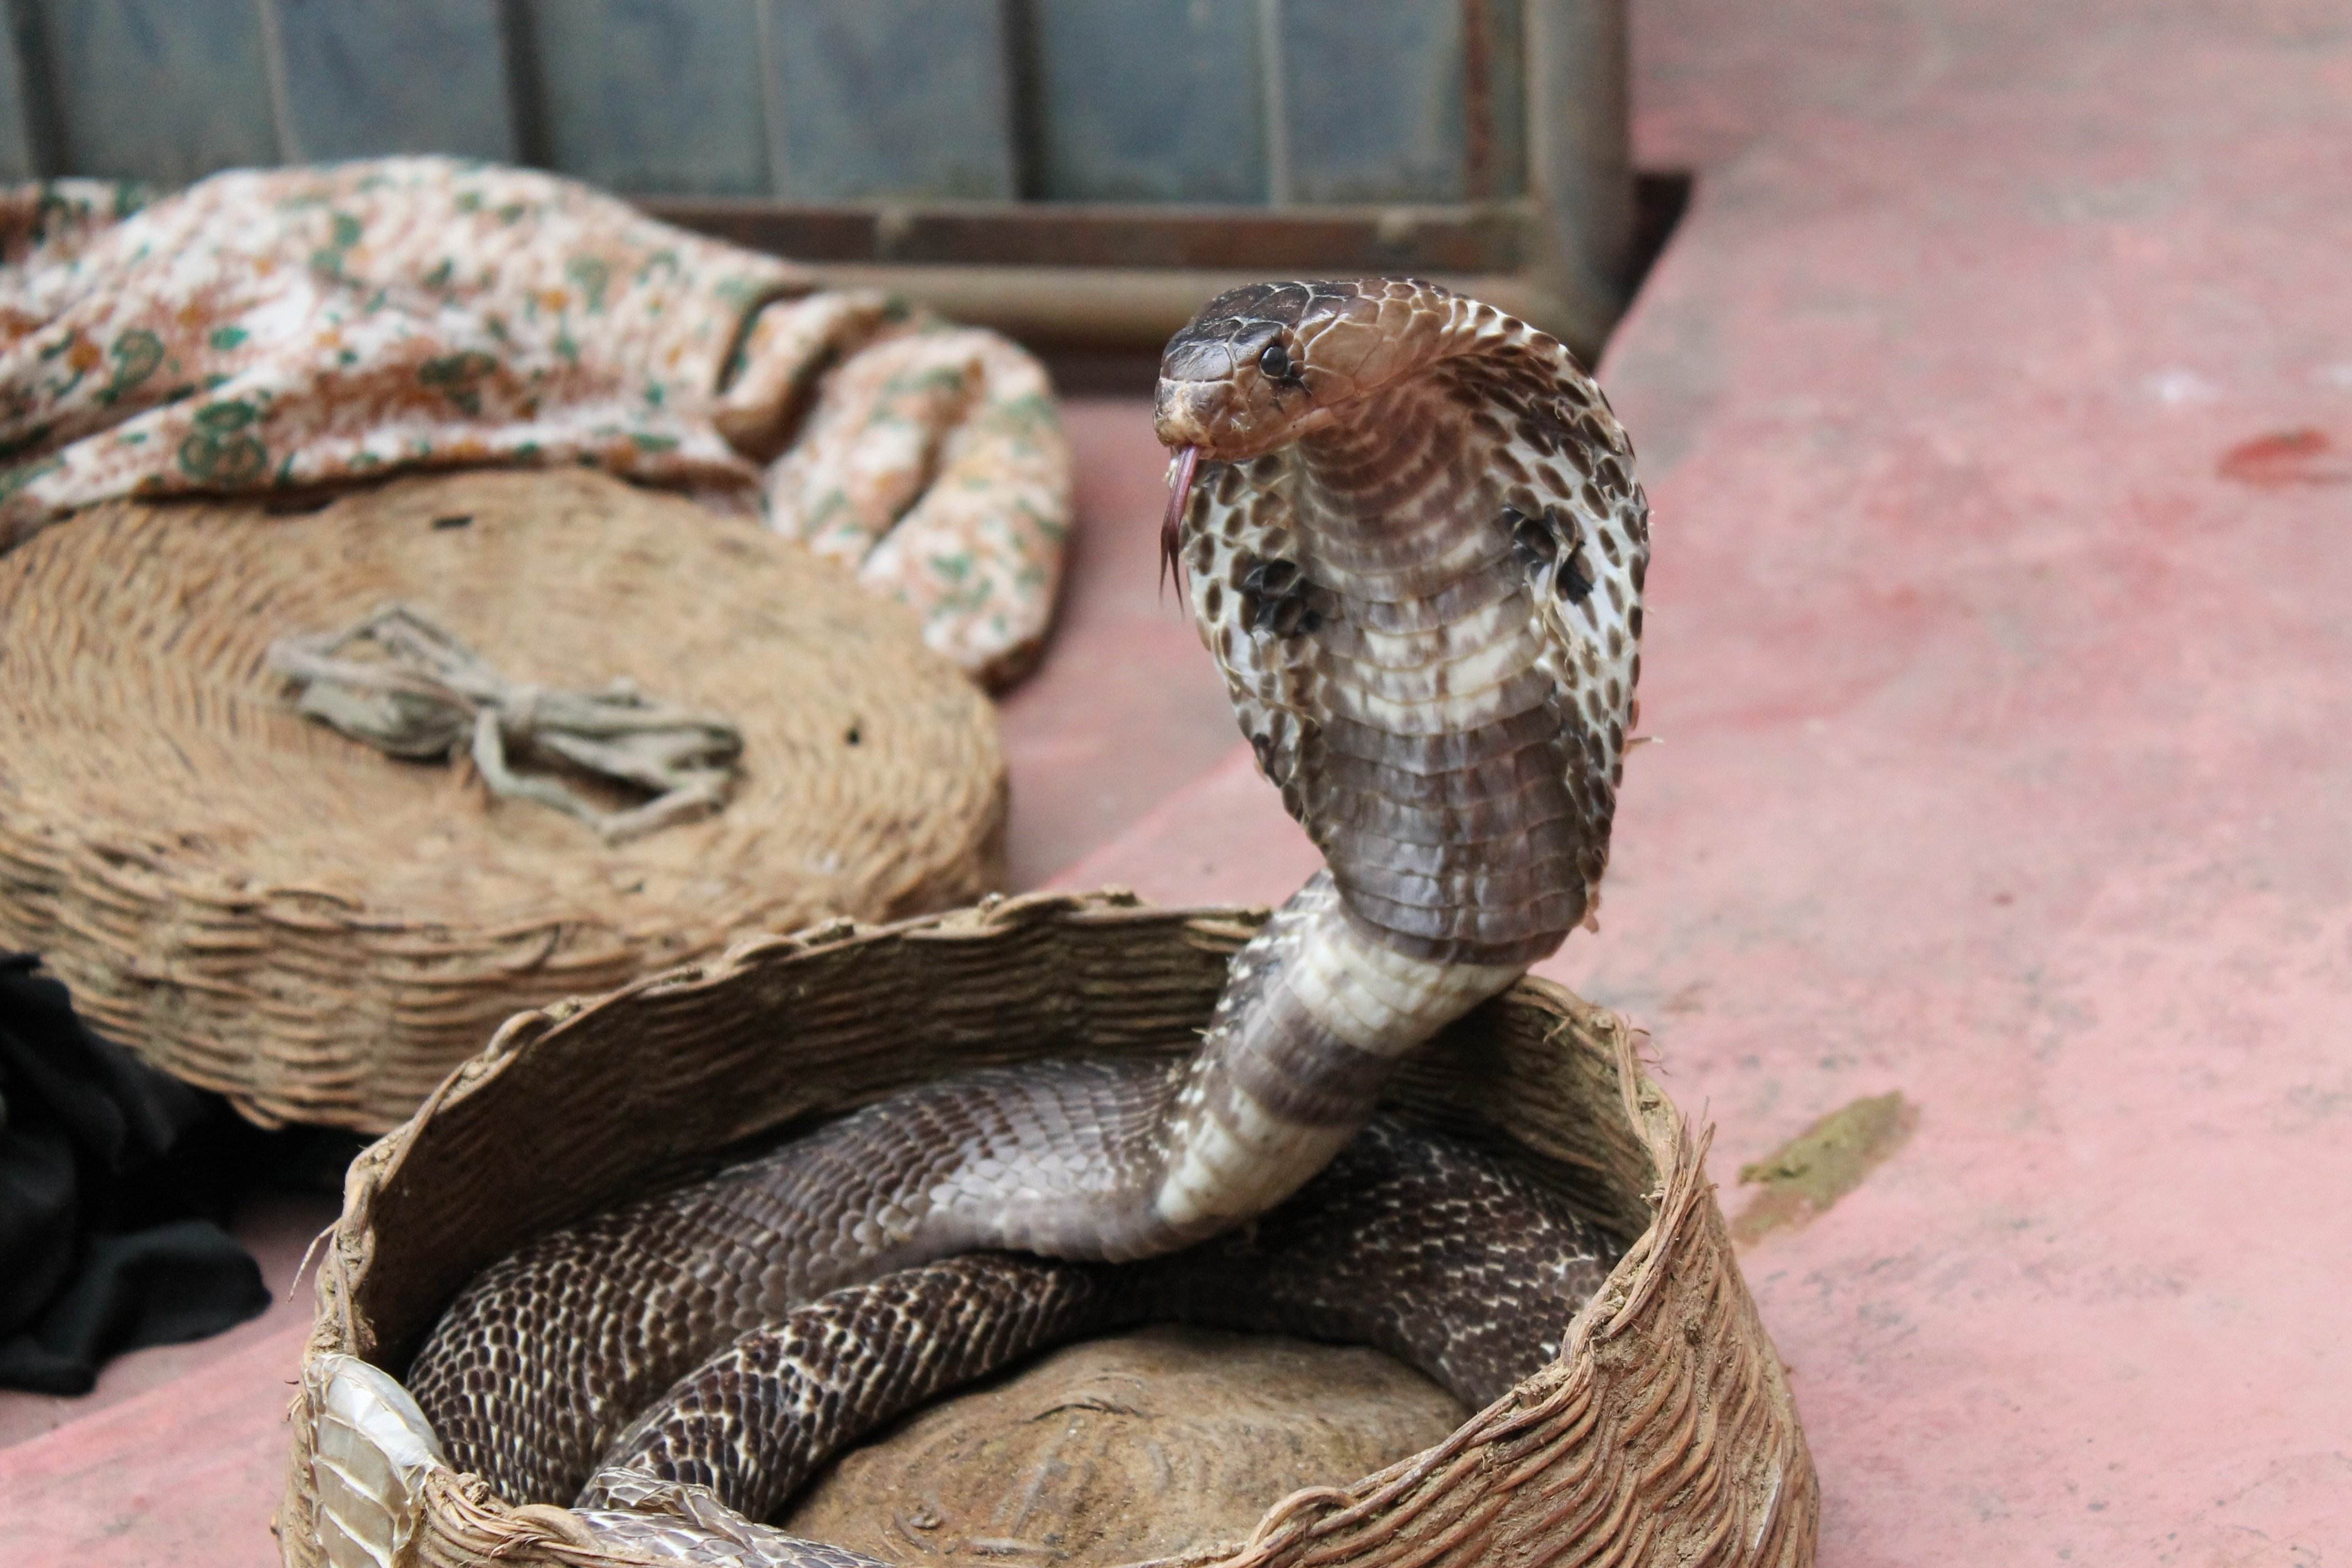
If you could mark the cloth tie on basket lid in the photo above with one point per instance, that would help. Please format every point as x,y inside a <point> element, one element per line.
<point>279,329</point>
<point>428,695</point>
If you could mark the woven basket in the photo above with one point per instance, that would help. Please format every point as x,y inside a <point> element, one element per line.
<point>266,907</point>
<point>1663,1433</point>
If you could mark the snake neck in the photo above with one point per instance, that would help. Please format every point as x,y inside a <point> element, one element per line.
<point>1317,1012</point>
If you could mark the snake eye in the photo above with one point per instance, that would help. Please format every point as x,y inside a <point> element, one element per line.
<point>1273,360</point>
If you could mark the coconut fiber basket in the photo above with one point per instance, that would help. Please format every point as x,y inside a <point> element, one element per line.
<point>265,907</point>
<point>1662,1432</point>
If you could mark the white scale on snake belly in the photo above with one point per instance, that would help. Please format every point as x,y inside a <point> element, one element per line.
<point>1378,999</point>
<point>1236,1171</point>
<point>1470,631</point>
<point>1442,693</point>
<point>1434,690</point>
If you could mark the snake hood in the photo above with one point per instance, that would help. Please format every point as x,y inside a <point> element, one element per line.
<point>1417,552</point>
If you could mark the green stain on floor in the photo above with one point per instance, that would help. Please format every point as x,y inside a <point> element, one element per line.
<point>1807,1174</point>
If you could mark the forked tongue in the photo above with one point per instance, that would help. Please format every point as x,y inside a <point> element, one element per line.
<point>1180,492</point>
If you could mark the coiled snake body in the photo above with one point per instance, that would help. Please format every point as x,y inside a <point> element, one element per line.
<point>1416,551</point>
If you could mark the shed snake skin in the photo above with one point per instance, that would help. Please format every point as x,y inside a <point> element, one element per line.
<point>1415,548</point>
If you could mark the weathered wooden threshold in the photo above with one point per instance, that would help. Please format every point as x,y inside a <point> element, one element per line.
<point>1082,276</point>
<point>1486,237</point>
<point>1113,277</point>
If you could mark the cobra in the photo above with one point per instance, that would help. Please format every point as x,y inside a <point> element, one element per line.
<point>1415,547</point>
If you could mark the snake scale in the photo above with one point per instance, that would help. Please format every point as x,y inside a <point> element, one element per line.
<point>1415,547</point>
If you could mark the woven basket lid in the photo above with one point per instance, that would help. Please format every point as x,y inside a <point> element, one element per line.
<point>265,907</point>
<point>1661,1434</point>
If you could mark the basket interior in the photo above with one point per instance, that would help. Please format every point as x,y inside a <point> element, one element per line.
<point>574,1109</point>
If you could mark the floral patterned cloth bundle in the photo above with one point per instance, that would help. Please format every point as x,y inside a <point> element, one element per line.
<point>281,329</point>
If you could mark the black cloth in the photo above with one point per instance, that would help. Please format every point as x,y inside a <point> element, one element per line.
<point>114,1180</point>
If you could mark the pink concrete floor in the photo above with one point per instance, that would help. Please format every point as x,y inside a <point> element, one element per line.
<point>1994,399</point>
<point>1125,707</point>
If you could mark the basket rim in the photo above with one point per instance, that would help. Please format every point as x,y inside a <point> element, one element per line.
<point>1677,1204</point>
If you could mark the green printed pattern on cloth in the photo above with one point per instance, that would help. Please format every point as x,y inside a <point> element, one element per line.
<point>305,326</point>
